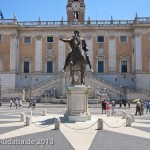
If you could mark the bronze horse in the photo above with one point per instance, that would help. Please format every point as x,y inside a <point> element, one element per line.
<point>77,63</point>
<point>78,58</point>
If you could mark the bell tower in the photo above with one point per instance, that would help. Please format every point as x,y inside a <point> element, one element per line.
<point>75,11</point>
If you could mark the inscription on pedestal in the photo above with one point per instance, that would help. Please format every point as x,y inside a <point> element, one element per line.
<point>77,103</point>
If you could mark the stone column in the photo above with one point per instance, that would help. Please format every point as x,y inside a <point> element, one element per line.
<point>112,53</point>
<point>89,43</point>
<point>61,55</point>
<point>13,53</point>
<point>38,54</point>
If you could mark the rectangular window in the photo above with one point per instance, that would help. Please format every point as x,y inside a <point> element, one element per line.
<point>26,67</point>
<point>49,39</point>
<point>0,38</point>
<point>123,39</point>
<point>100,66</point>
<point>27,40</point>
<point>100,39</point>
<point>49,67</point>
<point>124,66</point>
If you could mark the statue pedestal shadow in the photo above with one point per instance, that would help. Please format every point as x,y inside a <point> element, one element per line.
<point>77,104</point>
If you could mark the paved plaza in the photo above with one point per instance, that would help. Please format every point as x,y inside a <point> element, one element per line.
<point>41,134</point>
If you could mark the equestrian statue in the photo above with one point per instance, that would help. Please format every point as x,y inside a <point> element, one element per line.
<point>77,59</point>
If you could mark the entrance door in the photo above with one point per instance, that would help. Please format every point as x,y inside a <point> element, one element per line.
<point>101,66</point>
<point>124,66</point>
<point>26,67</point>
<point>49,67</point>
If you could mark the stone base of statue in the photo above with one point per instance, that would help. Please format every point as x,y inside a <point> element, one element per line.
<point>77,101</point>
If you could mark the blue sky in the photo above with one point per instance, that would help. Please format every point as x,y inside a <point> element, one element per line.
<point>48,10</point>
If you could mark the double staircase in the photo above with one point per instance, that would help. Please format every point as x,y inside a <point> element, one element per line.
<point>96,83</point>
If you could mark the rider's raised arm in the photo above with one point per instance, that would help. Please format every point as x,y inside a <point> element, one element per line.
<point>65,40</point>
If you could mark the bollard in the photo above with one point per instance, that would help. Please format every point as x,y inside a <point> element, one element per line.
<point>57,123</point>
<point>108,113</point>
<point>100,124</point>
<point>28,120</point>
<point>30,113</point>
<point>124,115</point>
<point>132,117</point>
<point>128,121</point>
<point>44,112</point>
<point>22,117</point>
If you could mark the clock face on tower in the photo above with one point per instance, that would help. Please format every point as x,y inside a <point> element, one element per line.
<point>75,6</point>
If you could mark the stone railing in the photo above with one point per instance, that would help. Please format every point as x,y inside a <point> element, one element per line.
<point>137,20</point>
<point>7,21</point>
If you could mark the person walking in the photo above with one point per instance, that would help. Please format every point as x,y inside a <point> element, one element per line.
<point>113,107</point>
<point>30,103</point>
<point>16,103</point>
<point>138,108</point>
<point>142,108</point>
<point>104,106</point>
<point>120,104</point>
<point>148,107</point>
<point>20,103</point>
<point>33,104</point>
<point>11,104</point>
<point>0,103</point>
<point>128,104</point>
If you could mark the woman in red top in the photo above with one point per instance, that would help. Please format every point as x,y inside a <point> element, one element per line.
<point>108,106</point>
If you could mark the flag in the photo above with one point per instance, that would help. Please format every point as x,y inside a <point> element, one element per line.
<point>1,14</point>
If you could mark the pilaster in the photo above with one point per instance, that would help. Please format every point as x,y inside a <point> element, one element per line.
<point>38,54</point>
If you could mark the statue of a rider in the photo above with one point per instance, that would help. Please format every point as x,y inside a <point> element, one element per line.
<point>75,42</point>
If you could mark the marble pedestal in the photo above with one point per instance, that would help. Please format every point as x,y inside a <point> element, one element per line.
<point>77,101</point>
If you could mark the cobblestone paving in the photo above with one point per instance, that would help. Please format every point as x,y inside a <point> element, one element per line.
<point>43,135</point>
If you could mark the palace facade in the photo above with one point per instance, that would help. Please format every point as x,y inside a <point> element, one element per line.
<point>32,56</point>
